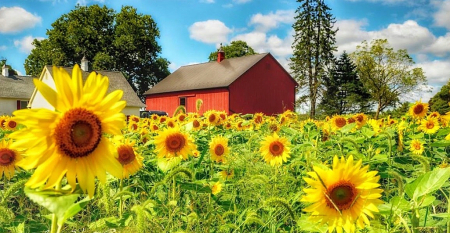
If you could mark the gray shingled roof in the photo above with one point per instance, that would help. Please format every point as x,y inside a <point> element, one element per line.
<point>116,81</point>
<point>206,75</point>
<point>16,87</point>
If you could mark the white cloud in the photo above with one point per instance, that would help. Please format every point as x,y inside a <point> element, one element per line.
<point>210,31</point>
<point>25,45</point>
<point>436,71</point>
<point>441,45</point>
<point>16,19</point>
<point>207,1</point>
<point>272,20</point>
<point>350,34</point>
<point>442,16</point>
<point>241,1</point>
<point>3,47</point>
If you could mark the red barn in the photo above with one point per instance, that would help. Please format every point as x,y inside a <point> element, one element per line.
<point>249,84</point>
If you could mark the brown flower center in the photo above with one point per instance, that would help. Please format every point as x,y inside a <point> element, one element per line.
<point>351,120</point>
<point>134,126</point>
<point>359,118</point>
<point>276,148</point>
<point>170,124</point>
<point>212,118</point>
<point>175,142</point>
<point>219,150</point>
<point>342,195</point>
<point>430,125</point>
<point>340,122</point>
<point>1,123</point>
<point>418,109</point>
<point>196,123</point>
<point>126,154</point>
<point>258,119</point>
<point>12,124</point>
<point>416,146</point>
<point>181,117</point>
<point>273,127</point>
<point>7,157</point>
<point>78,133</point>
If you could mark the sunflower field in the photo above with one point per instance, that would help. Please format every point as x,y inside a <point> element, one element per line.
<point>83,168</point>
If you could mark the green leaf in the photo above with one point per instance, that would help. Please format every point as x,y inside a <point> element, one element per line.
<point>347,128</point>
<point>442,143</point>
<point>427,183</point>
<point>74,209</point>
<point>427,200</point>
<point>441,215</point>
<point>195,186</point>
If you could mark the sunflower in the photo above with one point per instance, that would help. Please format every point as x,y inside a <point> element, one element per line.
<point>227,174</point>
<point>171,143</point>
<point>216,188</point>
<point>275,150</point>
<point>154,117</point>
<point>360,119</point>
<point>10,124</point>
<point>127,156</point>
<point>274,126</point>
<point>212,117</point>
<point>416,147</point>
<point>134,118</point>
<point>71,140</point>
<point>196,153</point>
<point>8,159</point>
<point>337,122</point>
<point>429,126</point>
<point>218,148</point>
<point>133,126</point>
<point>181,117</point>
<point>258,118</point>
<point>343,196</point>
<point>171,123</point>
<point>418,110</point>
<point>2,121</point>
<point>197,124</point>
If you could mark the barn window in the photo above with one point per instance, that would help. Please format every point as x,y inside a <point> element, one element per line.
<point>182,101</point>
<point>22,104</point>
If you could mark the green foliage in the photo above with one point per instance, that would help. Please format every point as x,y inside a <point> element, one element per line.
<point>440,101</point>
<point>344,92</point>
<point>314,44</point>
<point>237,48</point>
<point>11,71</point>
<point>125,41</point>
<point>386,73</point>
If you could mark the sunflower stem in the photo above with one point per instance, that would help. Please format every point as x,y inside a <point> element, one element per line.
<point>54,228</point>
<point>448,209</point>
<point>121,200</point>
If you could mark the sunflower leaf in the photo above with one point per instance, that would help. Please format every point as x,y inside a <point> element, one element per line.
<point>427,183</point>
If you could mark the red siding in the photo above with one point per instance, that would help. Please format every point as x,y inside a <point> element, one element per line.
<point>216,99</point>
<point>266,88</point>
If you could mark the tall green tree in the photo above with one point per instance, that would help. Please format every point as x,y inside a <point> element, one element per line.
<point>440,101</point>
<point>125,41</point>
<point>314,43</point>
<point>386,73</point>
<point>237,48</point>
<point>344,92</point>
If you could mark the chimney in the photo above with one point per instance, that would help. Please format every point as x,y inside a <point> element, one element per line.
<point>84,64</point>
<point>5,71</point>
<point>220,54</point>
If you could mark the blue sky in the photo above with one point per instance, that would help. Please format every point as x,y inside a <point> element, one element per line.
<point>191,29</point>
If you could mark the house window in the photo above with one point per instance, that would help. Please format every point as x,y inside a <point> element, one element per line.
<point>22,104</point>
<point>182,101</point>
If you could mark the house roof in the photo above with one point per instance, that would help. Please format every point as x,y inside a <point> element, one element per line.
<point>205,75</point>
<point>116,81</point>
<point>17,87</point>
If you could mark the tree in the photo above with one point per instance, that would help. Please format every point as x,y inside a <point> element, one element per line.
<point>344,92</point>
<point>314,43</point>
<point>440,101</point>
<point>123,41</point>
<point>386,73</point>
<point>236,48</point>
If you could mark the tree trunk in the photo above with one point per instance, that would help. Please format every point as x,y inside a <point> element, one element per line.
<point>378,110</point>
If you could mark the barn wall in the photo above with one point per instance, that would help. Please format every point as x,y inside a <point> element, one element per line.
<point>266,88</point>
<point>216,99</point>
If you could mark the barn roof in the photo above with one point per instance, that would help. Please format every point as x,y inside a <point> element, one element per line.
<point>116,81</point>
<point>16,87</point>
<point>206,75</point>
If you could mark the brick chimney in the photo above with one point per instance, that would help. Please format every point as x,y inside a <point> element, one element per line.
<point>84,64</point>
<point>5,71</point>
<point>220,54</point>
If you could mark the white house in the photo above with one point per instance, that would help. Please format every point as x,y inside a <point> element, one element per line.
<point>116,81</point>
<point>15,91</point>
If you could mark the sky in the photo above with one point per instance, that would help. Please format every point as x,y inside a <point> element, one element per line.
<point>191,29</point>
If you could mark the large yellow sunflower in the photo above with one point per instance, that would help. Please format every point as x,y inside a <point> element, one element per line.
<point>429,126</point>
<point>343,197</point>
<point>8,159</point>
<point>337,122</point>
<point>418,110</point>
<point>275,150</point>
<point>218,148</point>
<point>70,141</point>
<point>171,143</point>
<point>2,121</point>
<point>10,124</point>
<point>128,157</point>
